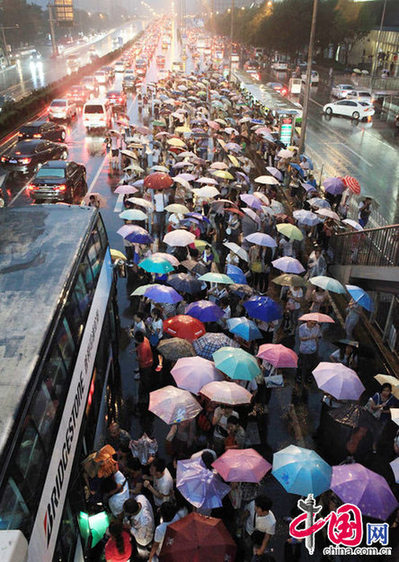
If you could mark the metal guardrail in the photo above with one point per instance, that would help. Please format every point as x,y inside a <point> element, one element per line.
<point>371,246</point>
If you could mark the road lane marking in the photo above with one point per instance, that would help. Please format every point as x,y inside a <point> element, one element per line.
<point>119,203</point>
<point>100,169</point>
<point>356,154</point>
<point>17,195</point>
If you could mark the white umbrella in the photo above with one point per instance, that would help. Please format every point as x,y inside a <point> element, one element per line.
<point>129,154</point>
<point>141,203</point>
<point>267,180</point>
<point>306,217</point>
<point>208,181</point>
<point>134,168</point>
<point>353,224</point>
<point>328,213</point>
<point>262,197</point>
<point>133,215</point>
<point>395,469</point>
<point>285,153</point>
<point>179,237</point>
<point>207,192</point>
<point>183,182</point>
<point>160,169</point>
<point>236,249</point>
<point>395,415</point>
<point>177,208</point>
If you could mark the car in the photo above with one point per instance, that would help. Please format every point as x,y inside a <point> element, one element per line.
<point>281,66</point>
<point>64,109</point>
<point>341,90</point>
<point>177,66</point>
<point>78,94</point>
<point>28,155</point>
<point>129,80</point>
<point>160,61</point>
<point>97,115</point>
<point>119,66</point>
<point>117,98</point>
<point>349,108</point>
<point>59,180</point>
<point>91,84</point>
<point>42,129</point>
<point>101,76</point>
<point>314,78</point>
<point>110,72</point>
<point>73,63</point>
<point>360,95</point>
<point>277,86</point>
<point>253,73</point>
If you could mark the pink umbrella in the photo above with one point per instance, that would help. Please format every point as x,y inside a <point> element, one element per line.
<point>316,317</point>
<point>252,215</point>
<point>208,181</point>
<point>219,166</point>
<point>278,355</point>
<point>225,392</point>
<point>186,176</point>
<point>173,405</point>
<point>126,189</point>
<point>242,465</point>
<point>179,237</point>
<point>192,373</point>
<point>338,380</point>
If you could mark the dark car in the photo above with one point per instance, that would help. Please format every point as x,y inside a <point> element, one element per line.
<point>59,181</point>
<point>117,98</point>
<point>42,130</point>
<point>79,94</point>
<point>29,154</point>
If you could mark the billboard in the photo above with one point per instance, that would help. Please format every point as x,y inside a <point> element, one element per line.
<point>63,12</point>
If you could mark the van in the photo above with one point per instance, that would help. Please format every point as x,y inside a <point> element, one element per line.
<point>97,114</point>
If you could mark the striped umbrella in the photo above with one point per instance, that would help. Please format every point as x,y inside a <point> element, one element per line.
<point>352,184</point>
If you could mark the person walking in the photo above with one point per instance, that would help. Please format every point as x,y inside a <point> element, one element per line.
<point>308,358</point>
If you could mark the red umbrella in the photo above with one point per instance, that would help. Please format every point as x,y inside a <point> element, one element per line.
<point>158,180</point>
<point>352,184</point>
<point>196,538</point>
<point>184,326</point>
<point>231,210</point>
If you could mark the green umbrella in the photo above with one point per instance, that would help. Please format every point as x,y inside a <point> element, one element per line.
<point>216,278</point>
<point>156,265</point>
<point>158,123</point>
<point>290,231</point>
<point>328,284</point>
<point>139,292</point>
<point>236,363</point>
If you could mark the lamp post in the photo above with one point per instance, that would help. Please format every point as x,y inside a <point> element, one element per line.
<point>308,79</point>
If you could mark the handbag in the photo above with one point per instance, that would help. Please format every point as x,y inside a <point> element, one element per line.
<point>368,407</point>
<point>274,381</point>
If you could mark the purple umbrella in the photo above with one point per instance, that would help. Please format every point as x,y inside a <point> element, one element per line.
<point>335,186</point>
<point>203,310</point>
<point>355,484</point>
<point>275,173</point>
<point>288,265</point>
<point>200,486</point>
<point>263,308</point>
<point>338,380</point>
<point>251,201</point>
<point>163,293</point>
<point>245,465</point>
<point>192,373</point>
<point>233,146</point>
<point>187,177</point>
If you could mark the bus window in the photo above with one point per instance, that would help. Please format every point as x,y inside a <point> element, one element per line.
<point>14,513</point>
<point>30,460</point>
<point>66,344</point>
<point>95,254</point>
<point>87,273</point>
<point>66,543</point>
<point>101,231</point>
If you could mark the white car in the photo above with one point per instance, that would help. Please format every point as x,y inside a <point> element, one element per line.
<point>101,77</point>
<point>341,90</point>
<point>314,79</point>
<point>64,109</point>
<point>349,108</point>
<point>360,95</point>
<point>119,66</point>
<point>281,66</point>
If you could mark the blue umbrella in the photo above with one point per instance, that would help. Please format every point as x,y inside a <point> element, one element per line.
<point>163,293</point>
<point>297,167</point>
<point>335,186</point>
<point>305,158</point>
<point>206,345</point>
<point>198,216</point>
<point>245,328</point>
<point>137,237</point>
<point>138,183</point>
<point>263,308</point>
<point>236,274</point>
<point>204,310</point>
<point>156,265</point>
<point>308,187</point>
<point>301,471</point>
<point>360,297</point>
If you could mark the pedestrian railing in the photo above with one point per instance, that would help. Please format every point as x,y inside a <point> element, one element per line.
<point>371,246</point>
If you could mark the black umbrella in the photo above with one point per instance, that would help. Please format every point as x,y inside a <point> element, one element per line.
<point>175,348</point>
<point>185,283</point>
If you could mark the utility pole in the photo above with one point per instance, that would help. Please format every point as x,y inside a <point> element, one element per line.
<point>3,36</point>
<point>231,35</point>
<point>377,46</point>
<point>52,22</point>
<point>308,79</point>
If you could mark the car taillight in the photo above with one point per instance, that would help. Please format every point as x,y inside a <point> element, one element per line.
<point>62,187</point>
<point>25,160</point>
<point>4,159</point>
<point>120,99</point>
<point>284,92</point>
<point>20,134</point>
<point>37,136</point>
<point>31,187</point>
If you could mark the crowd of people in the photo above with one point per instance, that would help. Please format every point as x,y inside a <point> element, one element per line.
<point>247,255</point>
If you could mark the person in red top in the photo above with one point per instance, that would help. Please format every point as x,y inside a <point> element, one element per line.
<point>145,360</point>
<point>118,547</point>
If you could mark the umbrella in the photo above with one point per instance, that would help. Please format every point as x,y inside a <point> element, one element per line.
<point>219,166</point>
<point>141,203</point>
<point>160,169</point>
<point>267,180</point>
<point>335,186</point>
<point>328,213</point>
<point>285,153</point>
<point>133,215</point>
<point>233,160</point>
<point>290,231</point>
<point>206,345</point>
<point>319,202</point>
<point>139,236</point>
<point>301,471</point>
<point>176,142</point>
<point>244,328</point>
<point>139,292</point>
<point>200,486</point>
<point>288,265</point>
<point>360,297</point>
<point>117,255</point>
<point>316,317</point>
<point>328,284</point>
<point>129,154</point>
<point>156,265</point>
<point>98,199</point>
<point>395,469</point>
<point>214,125</point>
<point>236,249</point>
<point>263,308</point>
<point>163,294</point>
<point>212,277</point>
<point>204,310</point>
<point>352,184</point>
<point>261,239</point>
<point>207,192</point>
<point>179,237</point>
<point>192,373</point>
<point>125,189</point>
<point>393,381</point>
<point>353,224</point>
<point>134,168</point>
<point>278,355</point>
<point>158,180</point>
<point>185,283</point>
<point>183,326</point>
<point>262,197</point>
<point>353,483</point>
<point>223,174</point>
<point>225,392</point>
<point>306,217</point>
<point>236,274</point>
<point>236,363</point>
<point>275,172</point>
<point>139,184</point>
<point>298,168</point>
<point>169,257</point>
<point>242,465</point>
<point>209,181</point>
<point>289,280</point>
<point>195,266</point>
<point>175,348</point>
<point>177,208</point>
<point>196,538</point>
<point>395,415</point>
<point>173,405</point>
<point>251,200</point>
<point>338,380</point>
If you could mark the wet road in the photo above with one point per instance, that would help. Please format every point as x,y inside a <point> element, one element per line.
<point>368,151</point>
<point>28,75</point>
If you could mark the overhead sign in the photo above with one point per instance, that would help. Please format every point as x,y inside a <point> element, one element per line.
<point>286,129</point>
<point>63,12</point>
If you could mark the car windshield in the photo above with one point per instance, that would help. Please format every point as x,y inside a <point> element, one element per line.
<point>29,129</point>
<point>364,104</point>
<point>51,173</point>
<point>58,103</point>
<point>94,109</point>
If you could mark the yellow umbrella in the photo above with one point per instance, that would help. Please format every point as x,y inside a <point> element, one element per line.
<point>222,174</point>
<point>176,142</point>
<point>117,255</point>
<point>221,122</point>
<point>393,381</point>
<point>183,129</point>
<point>134,168</point>
<point>177,208</point>
<point>221,142</point>
<point>233,160</point>
<point>290,231</point>
<point>200,244</point>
